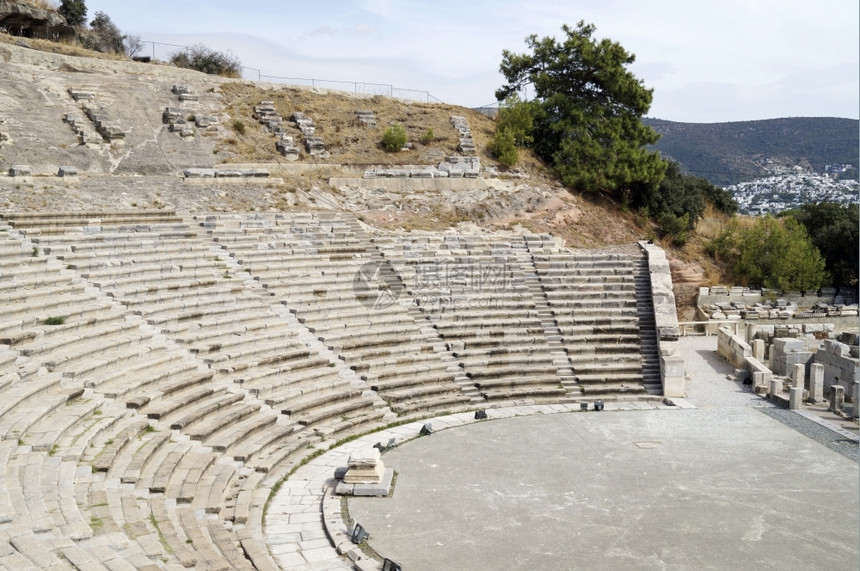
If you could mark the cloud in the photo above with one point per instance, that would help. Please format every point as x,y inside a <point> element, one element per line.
<point>352,31</point>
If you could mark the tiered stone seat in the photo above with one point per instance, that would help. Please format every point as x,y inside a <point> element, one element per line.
<point>313,263</point>
<point>473,291</point>
<point>144,425</point>
<point>593,300</point>
<point>177,391</point>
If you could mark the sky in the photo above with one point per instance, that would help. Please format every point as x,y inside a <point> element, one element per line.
<point>706,60</point>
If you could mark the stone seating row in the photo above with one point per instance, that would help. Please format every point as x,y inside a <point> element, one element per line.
<point>467,278</point>
<point>593,302</point>
<point>262,429</point>
<point>325,301</point>
<point>195,475</point>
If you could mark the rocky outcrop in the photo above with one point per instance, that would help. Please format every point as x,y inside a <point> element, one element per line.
<point>21,18</point>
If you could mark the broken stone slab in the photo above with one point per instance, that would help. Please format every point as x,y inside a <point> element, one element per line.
<point>189,97</point>
<point>81,95</point>
<point>180,89</point>
<point>171,114</point>
<point>204,121</point>
<point>111,132</point>
<point>67,171</point>
<point>20,170</point>
<point>364,458</point>
<point>199,173</point>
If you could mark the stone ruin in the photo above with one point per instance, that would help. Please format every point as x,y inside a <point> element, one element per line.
<point>313,144</point>
<point>179,121</point>
<point>365,475</point>
<point>20,170</point>
<point>366,118</point>
<point>225,172</point>
<point>176,122</point>
<point>723,303</point>
<point>467,145</point>
<point>184,94</point>
<point>267,115</point>
<point>451,167</point>
<point>105,126</point>
<point>4,136</point>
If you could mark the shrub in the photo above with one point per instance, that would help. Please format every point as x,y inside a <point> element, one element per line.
<point>503,147</point>
<point>239,127</point>
<point>104,35</point>
<point>394,138</point>
<point>74,11</point>
<point>207,60</point>
<point>427,137</point>
<point>55,321</point>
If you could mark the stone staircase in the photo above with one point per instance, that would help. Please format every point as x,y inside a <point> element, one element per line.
<point>592,297</point>
<point>650,349</point>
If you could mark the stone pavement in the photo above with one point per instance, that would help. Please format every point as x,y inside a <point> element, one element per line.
<point>718,486</point>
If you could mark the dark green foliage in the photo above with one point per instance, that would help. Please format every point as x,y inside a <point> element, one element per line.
<point>680,200</point>
<point>503,147</point>
<point>428,137</point>
<point>104,36</point>
<point>239,126</point>
<point>207,60</point>
<point>774,253</point>
<point>74,11</point>
<point>723,152</point>
<point>394,138</point>
<point>55,321</point>
<point>587,110</point>
<point>833,229</point>
<point>514,126</point>
<point>677,227</point>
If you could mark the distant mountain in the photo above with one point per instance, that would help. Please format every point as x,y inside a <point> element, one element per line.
<point>728,153</point>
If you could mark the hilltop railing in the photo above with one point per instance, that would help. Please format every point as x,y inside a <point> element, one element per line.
<point>162,52</point>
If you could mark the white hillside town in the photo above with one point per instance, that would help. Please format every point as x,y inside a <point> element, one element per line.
<point>790,189</point>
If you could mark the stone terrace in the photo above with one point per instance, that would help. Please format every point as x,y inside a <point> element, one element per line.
<point>160,375</point>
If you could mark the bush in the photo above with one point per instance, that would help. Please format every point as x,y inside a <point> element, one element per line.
<point>104,36</point>
<point>394,138</point>
<point>502,147</point>
<point>207,60</point>
<point>773,253</point>
<point>239,126</point>
<point>514,126</point>
<point>427,137</point>
<point>74,11</point>
<point>676,227</point>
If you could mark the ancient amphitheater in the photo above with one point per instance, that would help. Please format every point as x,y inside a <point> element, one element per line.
<point>165,363</point>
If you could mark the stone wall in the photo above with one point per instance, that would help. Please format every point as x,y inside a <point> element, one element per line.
<point>740,354</point>
<point>666,321</point>
<point>841,364</point>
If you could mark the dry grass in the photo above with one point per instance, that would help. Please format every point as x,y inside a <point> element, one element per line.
<point>348,141</point>
<point>52,5</point>
<point>62,48</point>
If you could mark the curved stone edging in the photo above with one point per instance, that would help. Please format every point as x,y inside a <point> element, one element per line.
<point>304,528</point>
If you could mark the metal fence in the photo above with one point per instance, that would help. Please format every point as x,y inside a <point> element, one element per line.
<point>160,51</point>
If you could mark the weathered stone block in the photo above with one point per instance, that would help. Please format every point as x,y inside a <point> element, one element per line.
<point>67,171</point>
